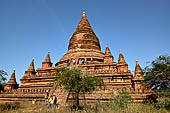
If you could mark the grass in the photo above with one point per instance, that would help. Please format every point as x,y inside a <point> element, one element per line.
<point>97,107</point>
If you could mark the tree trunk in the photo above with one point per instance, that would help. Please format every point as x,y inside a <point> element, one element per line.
<point>77,100</point>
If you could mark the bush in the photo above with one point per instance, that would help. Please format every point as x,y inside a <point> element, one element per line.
<point>122,99</point>
<point>163,102</point>
<point>9,106</point>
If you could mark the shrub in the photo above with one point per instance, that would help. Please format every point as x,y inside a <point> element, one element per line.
<point>9,106</point>
<point>122,99</point>
<point>163,102</point>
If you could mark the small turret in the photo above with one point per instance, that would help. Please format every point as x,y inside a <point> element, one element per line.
<point>12,84</point>
<point>107,51</point>
<point>138,69</point>
<point>31,70</point>
<point>122,65</point>
<point>138,77</point>
<point>31,67</point>
<point>47,62</point>
<point>108,58</point>
<point>121,58</point>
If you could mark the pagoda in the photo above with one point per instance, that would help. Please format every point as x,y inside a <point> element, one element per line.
<point>84,51</point>
<point>12,84</point>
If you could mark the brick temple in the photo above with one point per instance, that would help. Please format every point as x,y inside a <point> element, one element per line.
<point>84,51</point>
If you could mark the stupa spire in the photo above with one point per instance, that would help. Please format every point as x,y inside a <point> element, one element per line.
<point>47,59</point>
<point>107,51</point>
<point>138,69</point>
<point>47,62</point>
<point>12,84</point>
<point>31,67</point>
<point>84,36</point>
<point>121,58</point>
<point>108,58</point>
<point>31,70</point>
<point>12,80</point>
<point>84,25</point>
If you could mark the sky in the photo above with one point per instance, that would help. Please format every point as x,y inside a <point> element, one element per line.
<point>31,28</point>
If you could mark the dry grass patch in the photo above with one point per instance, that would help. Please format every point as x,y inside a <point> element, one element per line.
<point>97,107</point>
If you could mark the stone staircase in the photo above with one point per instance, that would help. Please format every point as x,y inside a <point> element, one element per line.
<point>60,93</point>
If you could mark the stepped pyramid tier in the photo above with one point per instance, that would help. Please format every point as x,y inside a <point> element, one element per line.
<point>84,52</point>
<point>12,84</point>
<point>108,58</point>
<point>47,63</point>
<point>83,43</point>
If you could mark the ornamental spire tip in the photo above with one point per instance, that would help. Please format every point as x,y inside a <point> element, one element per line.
<point>84,13</point>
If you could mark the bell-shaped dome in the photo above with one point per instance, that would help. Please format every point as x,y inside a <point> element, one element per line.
<point>83,43</point>
<point>84,37</point>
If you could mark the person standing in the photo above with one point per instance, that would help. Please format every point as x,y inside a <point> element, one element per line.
<point>46,97</point>
<point>50,98</point>
<point>55,101</point>
<point>85,59</point>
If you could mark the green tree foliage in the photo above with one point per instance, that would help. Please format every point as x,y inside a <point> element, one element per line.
<point>158,77</point>
<point>2,79</point>
<point>158,73</point>
<point>76,82</point>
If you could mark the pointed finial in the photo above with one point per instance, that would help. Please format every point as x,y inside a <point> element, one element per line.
<point>107,50</point>
<point>137,62</point>
<point>120,51</point>
<point>84,14</point>
<point>48,55</point>
<point>106,45</point>
<point>31,67</point>
<point>121,58</point>
<point>12,78</point>
<point>138,69</point>
<point>32,62</point>
<point>47,61</point>
<point>12,84</point>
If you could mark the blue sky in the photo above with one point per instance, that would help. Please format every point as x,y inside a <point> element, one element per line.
<point>31,28</point>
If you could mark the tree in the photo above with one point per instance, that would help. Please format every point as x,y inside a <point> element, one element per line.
<point>158,73</point>
<point>76,82</point>
<point>158,77</point>
<point>2,79</point>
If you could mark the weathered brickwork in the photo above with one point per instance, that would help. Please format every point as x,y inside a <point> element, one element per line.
<point>84,51</point>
